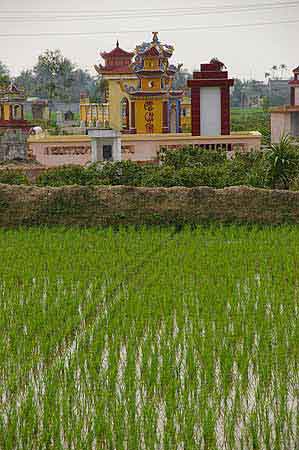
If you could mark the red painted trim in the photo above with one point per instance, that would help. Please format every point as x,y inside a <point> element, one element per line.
<point>127,114</point>
<point>22,125</point>
<point>195,108</point>
<point>292,96</point>
<point>133,121</point>
<point>225,111</point>
<point>210,75</point>
<point>210,83</point>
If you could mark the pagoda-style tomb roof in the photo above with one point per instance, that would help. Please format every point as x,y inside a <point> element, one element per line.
<point>154,50</point>
<point>118,61</point>
<point>295,81</point>
<point>11,93</point>
<point>117,52</point>
<point>152,62</point>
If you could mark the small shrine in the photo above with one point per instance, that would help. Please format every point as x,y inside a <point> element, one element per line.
<point>285,119</point>
<point>12,102</point>
<point>14,129</point>
<point>294,85</point>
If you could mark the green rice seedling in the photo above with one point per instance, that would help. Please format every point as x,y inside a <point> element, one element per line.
<point>149,339</point>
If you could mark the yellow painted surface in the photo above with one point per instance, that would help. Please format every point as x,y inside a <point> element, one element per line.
<point>151,63</point>
<point>93,112</point>
<point>144,113</point>
<point>235,136</point>
<point>83,113</point>
<point>116,94</point>
<point>154,137</point>
<point>6,111</point>
<point>151,84</point>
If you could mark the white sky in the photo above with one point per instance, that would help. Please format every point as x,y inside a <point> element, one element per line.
<point>247,51</point>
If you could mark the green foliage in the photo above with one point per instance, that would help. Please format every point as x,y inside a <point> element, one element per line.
<point>149,339</point>
<point>252,120</point>
<point>55,77</point>
<point>63,176</point>
<point>192,156</point>
<point>283,159</point>
<point>12,176</point>
<point>115,173</point>
<point>4,74</point>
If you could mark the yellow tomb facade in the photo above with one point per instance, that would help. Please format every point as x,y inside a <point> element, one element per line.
<point>140,98</point>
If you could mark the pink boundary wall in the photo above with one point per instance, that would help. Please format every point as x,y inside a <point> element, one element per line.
<point>53,151</point>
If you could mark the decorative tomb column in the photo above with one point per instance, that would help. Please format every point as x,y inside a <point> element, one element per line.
<point>210,100</point>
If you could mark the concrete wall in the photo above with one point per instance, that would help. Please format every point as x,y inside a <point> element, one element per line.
<point>280,125</point>
<point>13,144</point>
<point>102,206</point>
<point>143,148</point>
<point>60,150</point>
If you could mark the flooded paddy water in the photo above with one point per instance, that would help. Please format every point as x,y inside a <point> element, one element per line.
<point>149,338</point>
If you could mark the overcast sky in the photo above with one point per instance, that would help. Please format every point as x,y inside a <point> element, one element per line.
<point>214,29</point>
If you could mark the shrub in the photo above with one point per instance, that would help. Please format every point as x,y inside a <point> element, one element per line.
<point>283,161</point>
<point>12,176</point>
<point>115,173</point>
<point>191,156</point>
<point>162,176</point>
<point>62,176</point>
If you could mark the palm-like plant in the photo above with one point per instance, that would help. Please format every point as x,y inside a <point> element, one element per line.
<point>283,68</point>
<point>283,159</point>
<point>274,70</point>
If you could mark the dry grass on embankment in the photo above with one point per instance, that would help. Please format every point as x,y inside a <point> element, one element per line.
<point>102,206</point>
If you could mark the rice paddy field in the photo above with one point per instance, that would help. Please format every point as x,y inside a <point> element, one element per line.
<point>149,339</point>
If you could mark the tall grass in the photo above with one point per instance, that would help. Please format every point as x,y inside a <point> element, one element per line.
<point>149,339</point>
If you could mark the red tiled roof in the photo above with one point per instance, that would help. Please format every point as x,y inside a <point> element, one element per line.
<point>117,52</point>
<point>113,69</point>
<point>152,51</point>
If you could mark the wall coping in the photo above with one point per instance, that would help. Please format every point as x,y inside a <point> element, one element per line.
<point>235,136</point>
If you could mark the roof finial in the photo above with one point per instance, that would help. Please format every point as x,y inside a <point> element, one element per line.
<point>117,43</point>
<point>155,37</point>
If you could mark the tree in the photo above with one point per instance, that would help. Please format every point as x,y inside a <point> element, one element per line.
<point>274,71</point>
<point>283,68</point>
<point>236,96</point>
<point>26,81</point>
<point>54,75</point>
<point>265,103</point>
<point>56,78</point>
<point>181,78</point>
<point>4,74</point>
<point>267,75</point>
